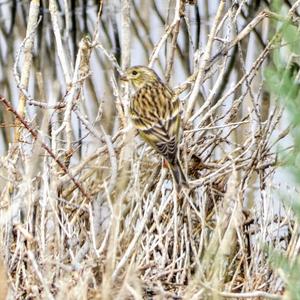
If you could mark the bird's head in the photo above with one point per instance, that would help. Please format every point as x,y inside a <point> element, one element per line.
<point>138,76</point>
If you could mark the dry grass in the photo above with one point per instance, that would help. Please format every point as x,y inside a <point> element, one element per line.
<point>94,216</point>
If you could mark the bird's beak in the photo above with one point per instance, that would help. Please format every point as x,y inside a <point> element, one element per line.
<point>123,77</point>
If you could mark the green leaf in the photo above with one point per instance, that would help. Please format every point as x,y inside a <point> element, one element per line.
<point>292,37</point>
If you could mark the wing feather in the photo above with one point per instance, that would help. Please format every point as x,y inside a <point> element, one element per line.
<point>155,112</point>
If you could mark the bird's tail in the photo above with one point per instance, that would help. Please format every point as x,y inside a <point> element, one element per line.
<point>178,175</point>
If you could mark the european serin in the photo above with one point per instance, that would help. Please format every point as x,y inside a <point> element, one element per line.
<point>155,113</point>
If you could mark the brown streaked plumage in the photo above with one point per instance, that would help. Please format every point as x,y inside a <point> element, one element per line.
<point>155,112</point>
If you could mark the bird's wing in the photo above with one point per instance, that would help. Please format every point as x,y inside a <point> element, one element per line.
<point>155,113</point>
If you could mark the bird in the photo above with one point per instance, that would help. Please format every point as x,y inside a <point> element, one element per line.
<point>155,112</point>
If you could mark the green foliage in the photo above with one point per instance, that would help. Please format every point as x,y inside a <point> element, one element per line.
<point>291,36</point>
<point>282,84</point>
<point>276,5</point>
<point>282,80</point>
<point>291,270</point>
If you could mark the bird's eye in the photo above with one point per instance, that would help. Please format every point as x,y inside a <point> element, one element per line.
<point>134,73</point>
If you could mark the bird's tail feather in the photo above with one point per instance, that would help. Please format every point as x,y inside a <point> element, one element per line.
<point>178,175</point>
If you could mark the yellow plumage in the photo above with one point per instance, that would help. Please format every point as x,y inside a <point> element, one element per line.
<point>155,112</point>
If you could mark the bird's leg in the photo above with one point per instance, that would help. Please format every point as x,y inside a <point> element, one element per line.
<point>165,163</point>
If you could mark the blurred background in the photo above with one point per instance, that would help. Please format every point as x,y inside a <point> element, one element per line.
<point>88,211</point>
<point>148,21</point>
